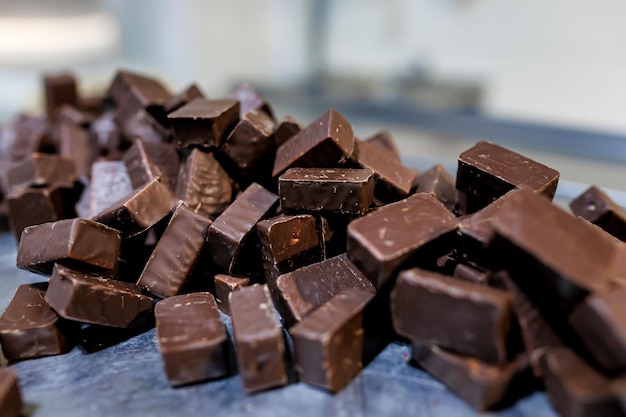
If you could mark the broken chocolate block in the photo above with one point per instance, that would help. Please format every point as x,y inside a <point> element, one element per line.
<point>339,190</point>
<point>224,285</point>
<point>192,338</point>
<point>597,207</point>
<point>135,92</point>
<point>80,243</point>
<point>285,130</point>
<point>109,183</point>
<point>438,182</point>
<point>259,343</point>
<point>40,170</point>
<point>328,343</point>
<point>59,89</point>
<point>74,144</point>
<point>383,141</point>
<point>10,395</point>
<point>147,160</point>
<point>90,298</point>
<point>250,100</point>
<point>203,122</point>
<point>471,274</point>
<point>179,100</point>
<point>250,140</point>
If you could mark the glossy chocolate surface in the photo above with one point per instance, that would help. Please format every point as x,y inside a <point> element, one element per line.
<point>203,122</point>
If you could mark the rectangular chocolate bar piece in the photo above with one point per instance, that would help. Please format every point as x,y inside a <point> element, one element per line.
<point>147,160</point>
<point>397,234</point>
<point>59,89</point>
<point>226,284</point>
<point>328,343</point>
<point>93,299</point>
<point>438,182</point>
<point>29,328</point>
<point>597,207</point>
<point>285,130</point>
<point>471,319</point>
<point>259,343</point>
<point>74,144</point>
<point>109,183</point>
<point>10,396</point>
<point>40,169</point>
<point>176,253</point>
<point>203,122</point>
<point>192,338</point>
<point>307,288</point>
<point>250,140</point>
<point>137,92</point>
<point>250,100</point>
<point>80,243</point>
<point>339,190</point>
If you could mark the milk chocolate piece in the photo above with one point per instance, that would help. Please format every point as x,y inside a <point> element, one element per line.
<point>106,134</point>
<point>147,160</point>
<point>383,141</point>
<point>470,319</point>
<point>74,144</point>
<point>232,235</point>
<point>576,389</point>
<point>287,243</point>
<point>487,171</point>
<point>203,122</point>
<point>140,210</point>
<point>30,329</point>
<point>137,92</point>
<point>418,228</point>
<point>10,395</point>
<point>192,338</point>
<point>80,243</point>
<point>250,140</point>
<point>307,288</point>
<point>203,184</point>
<point>325,143</point>
<point>483,386</point>
<point>175,254</point>
<point>597,207</point>
<point>93,299</point>
<point>285,130</point>
<point>259,343</point>
<point>190,93</point>
<point>224,285</point>
<point>39,170</point>
<point>250,100</point>
<point>339,190</point>
<point>59,89</point>
<point>328,343</point>
<point>438,182</point>
<point>109,183</point>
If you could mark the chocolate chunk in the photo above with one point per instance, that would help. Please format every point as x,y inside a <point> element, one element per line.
<point>190,93</point>
<point>140,210</point>
<point>109,183</point>
<point>30,329</point>
<point>68,114</point>
<point>576,389</point>
<point>175,254</point>
<point>487,171</point>
<point>597,207</point>
<point>328,343</point>
<point>418,228</point>
<point>137,92</point>
<point>59,89</point>
<point>141,124</point>
<point>383,141</point>
<point>232,235</point>
<point>203,122</point>
<point>192,338</point>
<point>285,130</point>
<point>339,190</point>
<point>250,100</point>
<point>250,140</point>
<point>203,184</point>
<point>470,319</point>
<point>325,143</point>
<point>438,182</point>
<point>80,243</point>
<point>483,386</point>
<point>393,180</point>
<point>10,395</point>
<point>470,274</point>
<point>288,243</point>
<point>224,285</point>
<point>93,299</point>
<point>333,231</point>
<point>307,288</point>
<point>92,104</point>
<point>74,144</point>
<point>31,136</point>
<point>147,160</point>
<point>259,343</point>
<point>39,170</point>
<point>106,134</point>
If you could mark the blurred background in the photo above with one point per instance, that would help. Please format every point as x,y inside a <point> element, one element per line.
<point>544,77</point>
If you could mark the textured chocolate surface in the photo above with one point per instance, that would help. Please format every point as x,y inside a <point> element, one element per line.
<point>438,182</point>
<point>29,328</point>
<point>307,288</point>
<point>259,343</point>
<point>325,143</point>
<point>90,298</point>
<point>203,122</point>
<point>339,190</point>
<point>470,319</point>
<point>80,243</point>
<point>147,160</point>
<point>597,207</point>
<point>10,396</point>
<point>328,343</point>
<point>175,254</point>
<point>109,183</point>
<point>397,234</point>
<point>192,338</point>
<point>250,140</point>
<point>59,89</point>
<point>224,285</point>
<point>39,169</point>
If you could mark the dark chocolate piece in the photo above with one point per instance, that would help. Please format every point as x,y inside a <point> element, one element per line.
<point>93,299</point>
<point>68,114</point>
<point>175,254</point>
<point>79,243</point>
<point>39,170</point>
<point>141,124</point>
<point>203,122</point>
<point>192,338</point>
<point>109,183</point>
<point>29,328</point>
<point>140,210</point>
<point>325,143</point>
<point>250,100</point>
<point>30,136</point>
<point>438,182</point>
<point>10,396</point>
<point>487,171</point>
<point>483,386</point>
<point>285,130</point>
<point>74,144</point>
<point>92,104</point>
<point>250,140</point>
<point>137,92</point>
<point>147,160</point>
<point>190,93</point>
<point>383,141</point>
<point>329,342</point>
<point>400,234</point>
<point>59,89</point>
<point>470,319</point>
<point>307,288</point>
<point>259,343</point>
<point>106,134</point>
<point>471,274</point>
<point>232,235</point>
<point>597,207</point>
<point>224,285</point>
<point>339,190</point>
